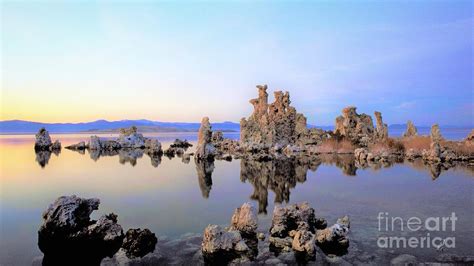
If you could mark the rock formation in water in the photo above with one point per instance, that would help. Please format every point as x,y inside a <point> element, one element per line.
<point>205,149</point>
<point>138,242</point>
<point>245,220</point>
<point>411,130</point>
<point>130,138</point>
<point>153,146</point>
<point>68,232</point>
<point>276,124</point>
<point>237,243</point>
<point>79,146</point>
<point>68,235</point>
<point>334,238</point>
<point>296,227</point>
<point>43,141</point>
<point>181,144</point>
<point>358,128</point>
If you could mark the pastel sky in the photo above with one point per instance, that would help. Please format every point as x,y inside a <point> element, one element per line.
<point>179,61</point>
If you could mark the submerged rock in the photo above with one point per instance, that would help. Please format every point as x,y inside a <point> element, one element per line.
<point>138,242</point>
<point>411,130</point>
<point>67,232</point>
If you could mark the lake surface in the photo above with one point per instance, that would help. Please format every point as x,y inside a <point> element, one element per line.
<point>172,198</point>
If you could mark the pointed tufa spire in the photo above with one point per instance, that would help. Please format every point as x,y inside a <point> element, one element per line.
<point>411,130</point>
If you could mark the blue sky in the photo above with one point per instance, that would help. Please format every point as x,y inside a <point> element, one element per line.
<point>179,61</point>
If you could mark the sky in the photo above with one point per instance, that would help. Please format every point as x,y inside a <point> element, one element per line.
<point>81,61</point>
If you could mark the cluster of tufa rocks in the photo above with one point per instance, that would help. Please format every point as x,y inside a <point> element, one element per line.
<point>128,138</point>
<point>295,228</point>
<point>237,242</point>
<point>43,141</point>
<point>68,234</point>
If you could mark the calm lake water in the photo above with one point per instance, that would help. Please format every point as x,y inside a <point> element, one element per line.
<point>172,198</point>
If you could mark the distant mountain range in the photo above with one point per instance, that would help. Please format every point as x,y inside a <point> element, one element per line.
<point>143,125</point>
<point>21,126</point>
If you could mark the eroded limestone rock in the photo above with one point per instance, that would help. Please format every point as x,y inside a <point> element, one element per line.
<point>205,149</point>
<point>130,138</point>
<point>139,242</point>
<point>238,242</point>
<point>272,124</point>
<point>381,129</point>
<point>153,146</point>
<point>358,128</point>
<point>67,232</point>
<point>42,140</point>
<point>79,146</point>
<point>435,133</point>
<point>411,130</point>
<point>245,220</point>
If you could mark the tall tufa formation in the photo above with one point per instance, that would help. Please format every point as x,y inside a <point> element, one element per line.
<point>356,127</point>
<point>205,149</point>
<point>411,130</point>
<point>381,130</point>
<point>271,125</point>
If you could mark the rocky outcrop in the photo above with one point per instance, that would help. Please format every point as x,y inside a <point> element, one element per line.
<point>181,144</point>
<point>411,130</point>
<point>94,143</point>
<point>205,149</point>
<point>334,238</point>
<point>296,227</point>
<point>358,128</point>
<point>239,241</point>
<point>79,146</point>
<point>43,141</point>
<point>270,125</point>
<point>153,146</point>
<point>435,134</point>
<point>130,138</point>
<point>68,232</point>
<point>245,220</point>
<point>381,129</point>
<point>138,242</point>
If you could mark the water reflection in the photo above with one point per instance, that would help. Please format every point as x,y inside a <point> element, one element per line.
<point>204,169</point>
<point>43,156</point>
<point>279,175</point>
